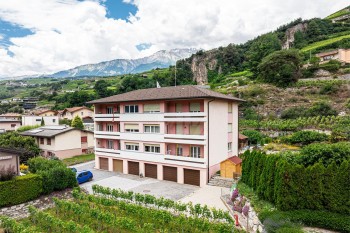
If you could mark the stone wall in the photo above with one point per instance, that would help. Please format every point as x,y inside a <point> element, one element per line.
<point>43,202</point>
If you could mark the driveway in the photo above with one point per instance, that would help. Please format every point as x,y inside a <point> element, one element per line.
<point>158,188</point>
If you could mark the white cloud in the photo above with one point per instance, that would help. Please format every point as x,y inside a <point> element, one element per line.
<point>67,33</point>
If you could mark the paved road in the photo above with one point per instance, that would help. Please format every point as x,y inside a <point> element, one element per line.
<point>151,186</point>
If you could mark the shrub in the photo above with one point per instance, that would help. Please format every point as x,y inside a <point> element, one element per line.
<point>254,136</point>
<point>56,176</point>
<point>7,173</point>
<point>305,137</point>
<point>331,66</point>
<point>27,127</point>
<point>20,189</point>
<point>324,219</point>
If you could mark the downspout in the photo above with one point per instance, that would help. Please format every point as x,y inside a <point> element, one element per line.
<point>208,137</point>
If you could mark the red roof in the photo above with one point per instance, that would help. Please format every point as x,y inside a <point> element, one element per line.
<point>242,137</point>
<point>235,159</point>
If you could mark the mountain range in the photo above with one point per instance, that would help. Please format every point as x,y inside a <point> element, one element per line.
<point>160,59</point>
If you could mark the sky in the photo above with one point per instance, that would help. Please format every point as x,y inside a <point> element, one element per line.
<point>46,36</point>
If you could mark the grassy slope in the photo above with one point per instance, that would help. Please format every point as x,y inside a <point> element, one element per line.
<point>342,12</point>
<point>323,43</point>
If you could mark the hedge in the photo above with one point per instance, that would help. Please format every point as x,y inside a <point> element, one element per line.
<point>312,218</point>
<point>20,189</point>
<point>56,176</point>
<point>293,186</point>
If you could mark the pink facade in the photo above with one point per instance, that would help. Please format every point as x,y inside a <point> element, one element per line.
<point>176,134</point>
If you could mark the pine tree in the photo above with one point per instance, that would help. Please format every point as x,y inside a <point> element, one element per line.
<point>42,121</point>
<point>77,123</point>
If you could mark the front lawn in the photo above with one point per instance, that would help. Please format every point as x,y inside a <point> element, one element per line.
<point>79,159</point>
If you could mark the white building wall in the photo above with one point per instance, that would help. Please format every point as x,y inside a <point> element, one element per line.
<point>36,120</point>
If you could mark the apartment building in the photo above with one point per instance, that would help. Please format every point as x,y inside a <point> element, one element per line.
<point>178,133</point>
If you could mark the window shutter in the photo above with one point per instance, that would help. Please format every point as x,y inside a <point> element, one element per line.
<point>131,126</point>
<point>178,107</point>
<point>195,107</point>
<point>151,108</point>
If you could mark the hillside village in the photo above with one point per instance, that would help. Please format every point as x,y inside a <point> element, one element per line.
<point>251,137</point>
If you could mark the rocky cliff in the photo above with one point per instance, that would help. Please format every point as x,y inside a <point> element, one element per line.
<point>200,65</point>
<point>290,32</point>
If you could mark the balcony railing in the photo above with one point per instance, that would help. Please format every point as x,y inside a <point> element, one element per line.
<point>172,156</point>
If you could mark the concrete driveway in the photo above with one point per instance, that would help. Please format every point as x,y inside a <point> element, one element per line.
<point>158,188</point>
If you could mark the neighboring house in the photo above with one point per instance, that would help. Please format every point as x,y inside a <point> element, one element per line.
<point>179,134</point>
<point>36,120</point>
<point>62,141</point>
<point>342,55</point>
<point>70,113</point>
<point>9,158</point>
<point>47,113</point>
<point>10,115</point>
<point>9,124</point>
<point>88,123</point>
<point>242,141</point>
<point>231,167</point>
<point>30,102</point>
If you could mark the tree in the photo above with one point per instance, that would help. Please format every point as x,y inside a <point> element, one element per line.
<point>280,68</point>
<point>77,123</point>
<point>101,88</point>
<point>26,144</point>
<point>42,121</point>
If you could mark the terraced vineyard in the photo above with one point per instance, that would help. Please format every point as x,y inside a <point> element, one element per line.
<point>101,213</point>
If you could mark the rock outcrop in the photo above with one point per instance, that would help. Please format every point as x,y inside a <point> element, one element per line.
<point>201,64</point>
<point>290,34</point>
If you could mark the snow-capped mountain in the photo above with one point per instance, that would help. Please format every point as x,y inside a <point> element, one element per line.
<point>161,59</point>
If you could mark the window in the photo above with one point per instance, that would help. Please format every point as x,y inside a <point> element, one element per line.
<point>38,120</point>
<point>229,127</point>
<point>195,152</point>
<point>110,144</point>
<point>131,109</point>
<point>48,141</point>
<point>229,146</point>
<point>84,139</point>
<point>99,128</point>
<point>179,150</point>
<point>53,120</point>
<point>109,110</point>
<point>195,107</point>
<point>152,129</point>
<point>82,113</point>
<point>133,147</point>
<point>110,128</point>
<point>195,129</point>
<point>229,107</point>
<point>131,128</point>
<point>152,148</point>
<point>149,108</point>
<point>178,107</point>
<point>42,141</point>
<point>13,125</point>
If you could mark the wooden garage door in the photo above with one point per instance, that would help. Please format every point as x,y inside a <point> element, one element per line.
<point>192,177</point>
<point>133,168</point>
<point>104,163</point>
<point>151,170</point>
<point>117,165</point>
<point>170,173</point>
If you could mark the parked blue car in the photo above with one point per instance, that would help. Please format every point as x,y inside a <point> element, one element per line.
<point>84,176</point>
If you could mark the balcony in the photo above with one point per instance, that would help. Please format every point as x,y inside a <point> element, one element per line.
<point>107,134</point>
<point>185,116</point>
<point>106,117</point>
<point>107,151</point>
<point>135,136</point>
<point>184,159</point>
<point>185,139</point>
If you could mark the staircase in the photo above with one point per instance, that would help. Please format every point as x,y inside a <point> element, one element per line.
<point>217,180</point>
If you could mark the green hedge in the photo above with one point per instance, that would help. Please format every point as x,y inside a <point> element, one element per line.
<point>20,189</point>
<point>56,176</point>
<point>324,219</point>
<point>292,186</point>
<point>305,137</point>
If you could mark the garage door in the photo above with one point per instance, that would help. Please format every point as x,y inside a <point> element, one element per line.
<point>151,170</point>
<point>170,173</point>
<point>192,177</point>
<point>104,163</point>
<point>117,165</point>
<point>133,168</point>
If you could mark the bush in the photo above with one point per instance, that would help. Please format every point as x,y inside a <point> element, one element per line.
<point>56,176</point>
<point>254,136</point>
<point>27,127</point>
<point>305,137</point>
<point>331,66</point>
<point>292,186</point>
<point>317,109</point>
<point>7,173</point>
<point>20,189</point>
<point>323,219</point>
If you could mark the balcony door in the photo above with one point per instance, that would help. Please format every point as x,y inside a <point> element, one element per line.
<point>195,129</point>
<point>179,128</point>
<point>110,144</point>
<point>195,152</point>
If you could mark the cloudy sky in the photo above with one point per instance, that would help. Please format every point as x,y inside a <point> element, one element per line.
<point>45,36</point>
